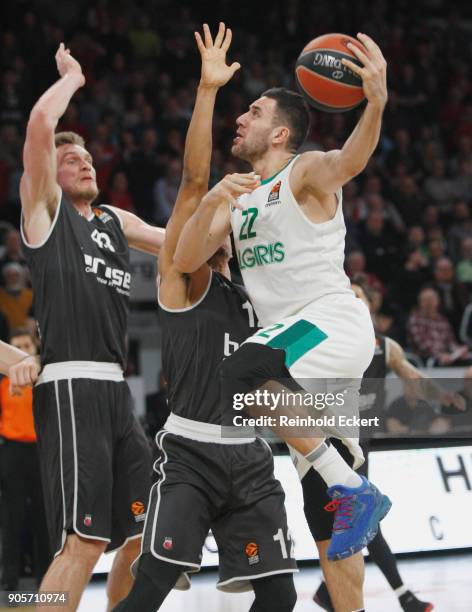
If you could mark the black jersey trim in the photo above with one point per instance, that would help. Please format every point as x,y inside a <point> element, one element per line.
<point>188,308</point>
<point>51,229</point>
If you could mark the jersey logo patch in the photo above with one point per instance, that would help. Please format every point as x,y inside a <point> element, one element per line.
<point>274,195</point>
<point>102,215</point>
<point>103,240</point>
<point>252,553</point>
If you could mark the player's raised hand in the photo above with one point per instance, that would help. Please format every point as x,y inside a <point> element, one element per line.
<point>23,374</point>
<point>215,71</point>
<point>374,70</point>
<point>66,64</point>
<point>230,188</point>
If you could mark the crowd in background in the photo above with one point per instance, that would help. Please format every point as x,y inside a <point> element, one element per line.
<point>408,215</point>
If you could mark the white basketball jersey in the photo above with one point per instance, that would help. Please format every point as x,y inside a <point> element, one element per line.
<point>287,261</point>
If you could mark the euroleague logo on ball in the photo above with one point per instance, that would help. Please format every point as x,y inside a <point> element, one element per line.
<point>322,77</point>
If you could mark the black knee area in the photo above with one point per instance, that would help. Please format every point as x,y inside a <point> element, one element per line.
<point>154,581</point>
<point>251,366</point>
<point>274,594</point>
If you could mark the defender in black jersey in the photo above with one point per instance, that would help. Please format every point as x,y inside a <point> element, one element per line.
<point>94,457</point>
<point>205,480</point>
<point>388,355</point>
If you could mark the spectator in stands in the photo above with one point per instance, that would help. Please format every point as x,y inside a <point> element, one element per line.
<point>165,191</point>
<point>119,195</point>
<point>410,415</point>
<point>19,476</point>
<point>464,266</point>
<point>451,293</point>
<point>380,245</point>
<point>460,228</point>
<point>356,269</point>
<point>13,252</point>
<point>431,335</point>
<point>414,273</point>
<point>462,419</point>
<point>416,241</point>
<point>439,188</point>
<point>16,299</point>
<point>408,199</point>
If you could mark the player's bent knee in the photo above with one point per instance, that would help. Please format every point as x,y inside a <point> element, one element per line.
<point>254,361</point>
<point>274,594</point>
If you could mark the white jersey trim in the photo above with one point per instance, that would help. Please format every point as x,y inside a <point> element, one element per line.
<point>96,370</point>
<point>204,432</point>
<point>160,444</point>
<point>197,303</point>
<point>245,580</point>
<point>51,229</point>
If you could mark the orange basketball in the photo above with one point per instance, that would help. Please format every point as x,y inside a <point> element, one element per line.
<point>323,80</point>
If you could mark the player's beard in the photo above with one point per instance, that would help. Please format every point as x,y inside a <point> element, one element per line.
<point>86,193</point>
<point>253,150</point>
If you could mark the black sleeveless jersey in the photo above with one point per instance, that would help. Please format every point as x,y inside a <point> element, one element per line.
<point>81,283</point>
<point>194,342</point>
<point>373,382</point>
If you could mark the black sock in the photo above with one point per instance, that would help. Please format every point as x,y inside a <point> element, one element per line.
<point>381,554</point>
<point>154,581</point>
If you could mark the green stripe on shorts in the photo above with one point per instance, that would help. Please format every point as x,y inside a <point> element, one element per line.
<point>297,340</point>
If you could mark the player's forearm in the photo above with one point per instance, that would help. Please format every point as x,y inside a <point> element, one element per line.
<point>363,141</point>
<point>424,387</point>
<point>198,144</point>
<point>53,103</point>
<point>148,239</point>
<point>196,243</point>
<point>9,355</point>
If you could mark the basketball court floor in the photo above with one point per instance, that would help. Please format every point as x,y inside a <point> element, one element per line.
<point>445,580</point>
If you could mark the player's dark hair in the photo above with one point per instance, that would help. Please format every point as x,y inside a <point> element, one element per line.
<point>357,280</point>
<point>62,138</point>
<point>291,110</point>
<point>21,331</point>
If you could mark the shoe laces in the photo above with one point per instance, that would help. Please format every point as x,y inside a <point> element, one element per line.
<point>343,507</point>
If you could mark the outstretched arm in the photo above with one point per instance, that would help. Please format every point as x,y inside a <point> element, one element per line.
<point>198,145</point>
<point>38,188</point>
<point>425,387</point>
<point>325,173</point>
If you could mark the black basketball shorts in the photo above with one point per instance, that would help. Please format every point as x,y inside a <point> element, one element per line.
<point>95,460</point>
<point>228,488</point>
<point>315,497</point>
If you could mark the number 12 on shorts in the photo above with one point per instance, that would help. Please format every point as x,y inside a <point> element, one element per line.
<point>279,537</point>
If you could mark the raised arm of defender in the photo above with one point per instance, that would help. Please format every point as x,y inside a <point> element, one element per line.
<point>38,188</point>
<point>198,145</point>
<point>325,173</point>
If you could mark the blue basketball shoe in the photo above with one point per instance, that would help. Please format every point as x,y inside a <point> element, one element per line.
<point>358,513</point>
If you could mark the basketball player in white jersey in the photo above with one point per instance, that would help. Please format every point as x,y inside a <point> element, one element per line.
<point>289,236</point>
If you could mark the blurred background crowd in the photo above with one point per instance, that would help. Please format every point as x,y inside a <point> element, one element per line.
<point>408,216</point>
